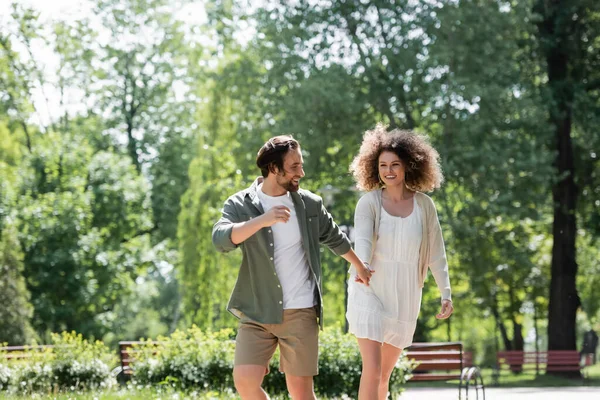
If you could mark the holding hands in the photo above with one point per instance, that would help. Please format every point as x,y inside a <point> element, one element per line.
<point>364,274</point>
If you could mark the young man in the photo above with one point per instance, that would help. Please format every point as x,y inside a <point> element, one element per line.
<point>277,296</point>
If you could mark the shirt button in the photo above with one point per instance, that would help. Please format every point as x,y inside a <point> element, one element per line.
<point>269,231</point>
<point>281,302</point>
<point>310,219</point>
<point>270,244</point>
<point>278,286</point>
<point>271,258</point>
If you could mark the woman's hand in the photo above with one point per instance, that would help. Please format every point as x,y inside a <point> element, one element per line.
<point>446,311</point>
<point>364,274</point>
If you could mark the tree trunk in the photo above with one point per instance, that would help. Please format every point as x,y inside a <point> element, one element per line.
<point>555,35</point>
<point>505,340</point>
<point>132,145</point>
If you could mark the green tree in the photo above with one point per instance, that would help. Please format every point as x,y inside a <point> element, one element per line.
<point>76,261</point>
<point>568,37</point>
<point>16,311</point>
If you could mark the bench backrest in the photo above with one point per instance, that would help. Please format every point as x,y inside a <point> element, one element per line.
<point>128,350</point>
<point>437,356</point>
<point>15,353</point>
<point>553,360</point>
<point>438,361</point>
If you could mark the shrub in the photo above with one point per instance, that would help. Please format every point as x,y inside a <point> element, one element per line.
<point>73,364</point>
<point>187,359</point>
<point>205,360</point>
<point>5,377</point>
<point>79,364</point>
<point>34,377</point>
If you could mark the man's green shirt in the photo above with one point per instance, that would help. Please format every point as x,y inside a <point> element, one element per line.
<point>257,292</point>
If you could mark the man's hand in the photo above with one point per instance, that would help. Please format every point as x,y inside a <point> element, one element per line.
<point>364,274</point>
<point>275,215</point>
<point>447,310</point>
<point>243,230</point>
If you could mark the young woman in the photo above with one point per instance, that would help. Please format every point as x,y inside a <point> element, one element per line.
<point>398,235</point>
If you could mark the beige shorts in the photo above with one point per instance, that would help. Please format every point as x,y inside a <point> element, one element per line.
<point>297,336</point>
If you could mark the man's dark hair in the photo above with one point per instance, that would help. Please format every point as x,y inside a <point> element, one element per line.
<point>271,154</point>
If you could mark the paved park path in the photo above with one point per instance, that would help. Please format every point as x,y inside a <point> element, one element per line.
<point>550,393</point>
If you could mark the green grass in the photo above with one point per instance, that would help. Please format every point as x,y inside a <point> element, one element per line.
<point>528,379</point>
<point>133,393</point>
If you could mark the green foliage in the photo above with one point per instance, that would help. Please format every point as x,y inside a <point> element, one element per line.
<point>6,376</point>
<point>207,277</point>
<point>120,202</point>
<point>193,358</point>
<point>16,310</point>
<point>189,358</point>
<point>81,364</point>
<point>589,278</point>
<point>107,204</point>
<point>72,365</point>
<point>84,220</point>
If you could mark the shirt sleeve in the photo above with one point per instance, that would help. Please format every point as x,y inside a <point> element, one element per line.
<point>438,263</point>
<point>364,226</point>
<point>221,234</point>
<point>331,235</point>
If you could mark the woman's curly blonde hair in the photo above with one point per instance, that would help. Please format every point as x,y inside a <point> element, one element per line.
<point>420,160</point>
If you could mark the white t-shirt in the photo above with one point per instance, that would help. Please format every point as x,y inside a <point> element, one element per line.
<point>291,263</point>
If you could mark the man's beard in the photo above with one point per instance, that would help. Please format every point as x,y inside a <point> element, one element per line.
<point>290,186</point>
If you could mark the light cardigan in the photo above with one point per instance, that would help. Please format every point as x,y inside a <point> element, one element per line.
<point>432,253</point>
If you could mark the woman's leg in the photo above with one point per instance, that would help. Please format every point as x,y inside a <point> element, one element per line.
<point>389,358</point>
<point>370,378</point>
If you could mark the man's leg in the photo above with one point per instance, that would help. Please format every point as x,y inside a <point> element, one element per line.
<point>248,380</point>
<point>370,379</point>
<point>300,387</point>
<point>299,351</point>
<point>254,347</point>
<point>389,358</point>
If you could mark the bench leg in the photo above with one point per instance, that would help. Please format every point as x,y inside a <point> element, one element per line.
<point>468,375</point>
<point>120,374</point>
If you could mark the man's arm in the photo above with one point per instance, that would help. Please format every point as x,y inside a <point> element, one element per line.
<point>229,232</point>
<point>243,230</point>
<point>332,236</point>
<point>363,272</point>
<point>222,230</point>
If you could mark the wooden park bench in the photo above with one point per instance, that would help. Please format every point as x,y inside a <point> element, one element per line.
<point>21,353</point>
<point>518,361</point>
<point>127,356</point>
<point>444,362</point>
<point>127,352</point>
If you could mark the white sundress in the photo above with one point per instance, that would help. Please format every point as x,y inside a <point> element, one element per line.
<point>387,310</point>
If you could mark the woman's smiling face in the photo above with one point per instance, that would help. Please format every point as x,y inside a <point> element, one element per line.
<point>391,169</point>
